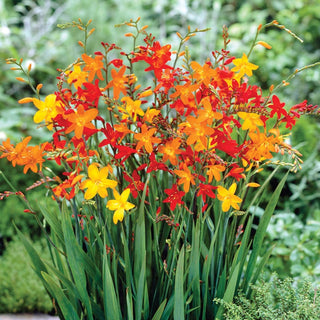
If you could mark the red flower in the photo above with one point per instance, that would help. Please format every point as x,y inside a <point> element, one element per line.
<point>174,197</point>
<point>277,107</point>
<point>206,190</point>
<point>124,153</point>
<point>154,165</point>
<point>158,59</point>
<point>135,184</point>
<point>236,172</point>
<point>111,135</point>
<point>92,92</point>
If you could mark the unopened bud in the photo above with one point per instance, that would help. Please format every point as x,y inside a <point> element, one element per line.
<point>264,44</point>
<point>253,184</point>
<point>91,32</point>
<point>20,79</point>
<point>25,100</point>
<point>146,93</point>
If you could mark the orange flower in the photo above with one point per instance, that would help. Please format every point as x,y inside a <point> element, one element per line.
<point>123,129</point>
<point>202,73</point>
<point>185,177</point>
<point>93,65</point>
<point>146,139</point>
<point>207,114</point>
<point>33,158</point>
<point>170,151</point>
<point>197,131</point>
<point>81,119</point>
<point>118,82</point>
<point>23,155</point>
<point>15,154</point>
<point>215,170</point>
<point>150,114</point>
<point>228,197</point>
<point>7,149</point>
<point>185,92</point>
<point>261,146</point>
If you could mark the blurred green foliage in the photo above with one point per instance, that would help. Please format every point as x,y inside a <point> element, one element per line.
<point>21,289</point>
<point>296,246</point>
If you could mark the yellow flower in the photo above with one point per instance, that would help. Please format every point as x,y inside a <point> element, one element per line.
<point>97,182</point>
<point>228,197</point>
<point>48,110</point>
<point>243,66</point>
<point>77,76</point>
<point>132,107</point>
<point>251,120</point>
<point>150,114</point>
<point>119,205</point>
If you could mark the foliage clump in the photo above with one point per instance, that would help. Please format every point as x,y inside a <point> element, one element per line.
<point>21,289</point>
<point>276,300</point>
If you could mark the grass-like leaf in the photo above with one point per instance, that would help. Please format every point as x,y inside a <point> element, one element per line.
<point>178,310</point>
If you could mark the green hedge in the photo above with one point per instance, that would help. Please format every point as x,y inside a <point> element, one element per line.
<point>21,289</point>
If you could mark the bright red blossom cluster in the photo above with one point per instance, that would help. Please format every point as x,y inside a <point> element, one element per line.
<point>203,124</point>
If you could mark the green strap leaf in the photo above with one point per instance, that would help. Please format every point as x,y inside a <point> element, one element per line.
<point>159,312</point>
<point>230,291</point>
<point>64,304</point>
<point>194,272</point>
<point>261,231</point>
<point>178,309</point>
<point>140,289</point>
<point>75,258</point>
<point>110,299</point>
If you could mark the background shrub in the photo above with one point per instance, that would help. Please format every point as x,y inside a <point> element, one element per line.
<point>21,289</point>
<point>277,300</point>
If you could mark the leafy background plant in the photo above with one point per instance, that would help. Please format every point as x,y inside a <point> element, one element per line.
<point>20,288</point>
<point>277,300</point>
<point>22,35</point>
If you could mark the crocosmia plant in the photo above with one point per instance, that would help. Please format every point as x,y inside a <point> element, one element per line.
<point>148,211</point>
